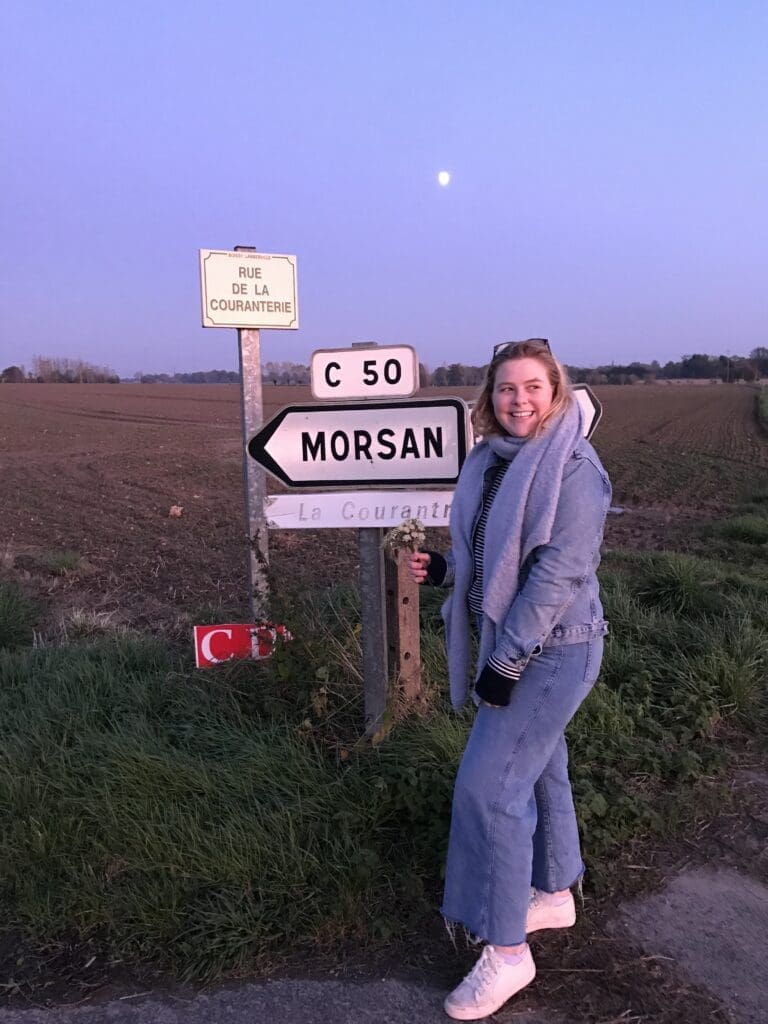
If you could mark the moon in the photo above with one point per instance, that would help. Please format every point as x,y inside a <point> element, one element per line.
<point>443,178</point>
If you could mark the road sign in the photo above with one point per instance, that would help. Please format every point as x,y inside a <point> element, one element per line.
<point>364,372</point>
<point>353,509</point>
<point>422,441</point>
<point>593,410</point>
<point>248,289</point>
<point>216,644</point>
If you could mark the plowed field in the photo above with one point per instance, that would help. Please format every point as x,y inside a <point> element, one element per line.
<point>95,470</point>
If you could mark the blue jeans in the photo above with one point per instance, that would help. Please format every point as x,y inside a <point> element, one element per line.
<point>513,823</point>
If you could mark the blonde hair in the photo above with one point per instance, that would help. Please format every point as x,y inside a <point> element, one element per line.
<point>484,421</point>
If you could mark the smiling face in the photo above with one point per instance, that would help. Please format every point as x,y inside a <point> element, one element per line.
<point>522,395</point>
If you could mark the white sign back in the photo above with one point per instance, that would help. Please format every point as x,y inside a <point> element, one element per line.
<point>372,371</point>
<point>248,289</point>
<point>592,409</point>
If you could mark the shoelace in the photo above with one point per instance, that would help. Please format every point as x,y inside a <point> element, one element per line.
<point>483,973</point>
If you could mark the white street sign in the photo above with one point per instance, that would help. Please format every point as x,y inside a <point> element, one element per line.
<point>592,408</point>
<point>420,441</point>
<point>364,372</point>
<point>352,509</point>
<point>248,289</point>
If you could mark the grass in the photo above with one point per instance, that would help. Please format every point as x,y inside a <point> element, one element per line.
<point>686,659</point>
<point>18,616</point>
<point>750,528</point>
<point>79,623</point>
<point>168,813</point>
<point>742,538</point>
<point>204,820</point>
<point>61,563</point>
<point>762,407</point>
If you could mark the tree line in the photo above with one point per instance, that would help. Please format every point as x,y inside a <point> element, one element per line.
<point>695,367</point>
<point>57,370</point>
<point>195,377</point>
<point>727,368</point>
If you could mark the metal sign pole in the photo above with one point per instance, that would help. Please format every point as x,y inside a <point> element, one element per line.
<point>249,290</point>
<point>254,477</point>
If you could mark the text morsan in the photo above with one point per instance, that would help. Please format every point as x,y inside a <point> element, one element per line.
<point>342,445</point>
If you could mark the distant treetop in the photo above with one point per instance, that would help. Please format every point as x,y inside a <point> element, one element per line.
<point>59,370</point>
<point>195,377</point>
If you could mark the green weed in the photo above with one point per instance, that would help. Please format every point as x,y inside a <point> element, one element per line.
<point>761,406</point>
<point>18,616</point>
<point>749,528</point>
<point>61,563</point>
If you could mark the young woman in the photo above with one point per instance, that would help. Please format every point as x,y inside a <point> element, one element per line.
<point>526,529</point>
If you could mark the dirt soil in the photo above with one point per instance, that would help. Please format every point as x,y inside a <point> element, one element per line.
<point>94,470</point>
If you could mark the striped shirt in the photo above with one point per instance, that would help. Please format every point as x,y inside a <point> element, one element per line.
<point>475,595</point>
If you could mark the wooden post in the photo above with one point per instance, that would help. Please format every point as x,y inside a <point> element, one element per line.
<point>374,638</point>
<point>403,635</point>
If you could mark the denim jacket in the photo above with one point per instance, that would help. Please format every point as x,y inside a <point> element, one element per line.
<point>557,599</point>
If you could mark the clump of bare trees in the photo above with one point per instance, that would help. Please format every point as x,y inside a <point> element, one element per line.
<point>284,373</point>
<point>193,377</point>
<point>58,370</point>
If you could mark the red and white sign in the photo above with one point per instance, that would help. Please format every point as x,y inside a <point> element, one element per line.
<point>216,644</point>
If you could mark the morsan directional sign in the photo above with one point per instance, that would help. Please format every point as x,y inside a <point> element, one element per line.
<point>422,441</point>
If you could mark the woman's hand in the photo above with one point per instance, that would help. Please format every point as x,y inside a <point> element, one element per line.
<point>418,563</point>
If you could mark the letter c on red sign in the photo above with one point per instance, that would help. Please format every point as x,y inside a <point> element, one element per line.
<point>205,645</point>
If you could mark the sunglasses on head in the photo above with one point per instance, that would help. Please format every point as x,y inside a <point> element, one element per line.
<point>504,345</point>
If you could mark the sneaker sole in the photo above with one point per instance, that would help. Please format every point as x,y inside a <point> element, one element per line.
<point>480,1012</point>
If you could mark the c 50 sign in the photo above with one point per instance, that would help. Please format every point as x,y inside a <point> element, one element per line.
<point>364,371</point>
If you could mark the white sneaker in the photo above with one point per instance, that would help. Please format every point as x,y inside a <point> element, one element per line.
<point>490,983</point>
<point>543,913</point>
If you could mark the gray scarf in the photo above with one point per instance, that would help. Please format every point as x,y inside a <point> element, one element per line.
<point>520,520</point>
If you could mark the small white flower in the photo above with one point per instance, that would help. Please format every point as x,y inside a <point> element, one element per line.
<point>408,536</point>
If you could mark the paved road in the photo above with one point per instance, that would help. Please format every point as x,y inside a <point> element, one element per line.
<point>275,1002</point>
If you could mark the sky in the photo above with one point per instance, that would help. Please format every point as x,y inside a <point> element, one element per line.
<point>608,167</point>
